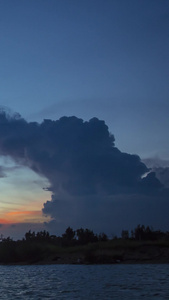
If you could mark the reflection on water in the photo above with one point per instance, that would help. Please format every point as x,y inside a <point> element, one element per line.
<point>85,282</point>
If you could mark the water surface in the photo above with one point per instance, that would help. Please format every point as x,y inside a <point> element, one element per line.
<point>85,282</point>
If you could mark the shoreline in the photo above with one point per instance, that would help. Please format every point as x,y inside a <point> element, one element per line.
<point>140,254</point>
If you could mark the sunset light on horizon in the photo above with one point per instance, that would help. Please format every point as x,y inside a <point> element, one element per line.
<point>23,195</point>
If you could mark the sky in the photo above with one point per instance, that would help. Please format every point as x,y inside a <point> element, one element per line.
<point>89,59</point>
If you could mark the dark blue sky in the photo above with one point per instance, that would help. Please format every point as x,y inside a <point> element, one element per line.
<point>90,58</point>
<point>107,59</point>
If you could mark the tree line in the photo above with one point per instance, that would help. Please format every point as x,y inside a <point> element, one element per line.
<point>69,238</point>
<point>85,236</point>
<point>143,233</point>
<point>41,245</point>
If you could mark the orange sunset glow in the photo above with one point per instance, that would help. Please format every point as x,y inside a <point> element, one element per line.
<point>23,204</point>
<point>23,217</point>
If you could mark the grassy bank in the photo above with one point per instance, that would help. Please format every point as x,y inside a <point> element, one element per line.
<point>109,252</point>
<point>84,247</point>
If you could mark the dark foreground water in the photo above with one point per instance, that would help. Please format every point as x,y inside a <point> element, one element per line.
<point>85,282</point>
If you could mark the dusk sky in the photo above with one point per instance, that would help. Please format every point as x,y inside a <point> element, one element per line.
<point>105,62</point>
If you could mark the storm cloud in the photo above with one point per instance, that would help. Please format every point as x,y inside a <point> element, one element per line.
<point>86,172</point>
<point>161,169</point>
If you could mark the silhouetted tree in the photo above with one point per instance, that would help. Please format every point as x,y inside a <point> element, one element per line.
<point>43,235</point>
<point>30,235</point>
<point>102,237</point>
<point>125,234</point>
<point>139,232</point>
<point>68,237</point>
<point>69,234</point>
<point>147,233</point>
<point>86,236</point>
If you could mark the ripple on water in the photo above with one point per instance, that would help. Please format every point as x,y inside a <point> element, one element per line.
<point>84,282</point>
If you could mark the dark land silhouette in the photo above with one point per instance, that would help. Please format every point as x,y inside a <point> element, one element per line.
<point>83,246</point>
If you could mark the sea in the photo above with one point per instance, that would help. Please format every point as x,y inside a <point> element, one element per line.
<point>117,281</point>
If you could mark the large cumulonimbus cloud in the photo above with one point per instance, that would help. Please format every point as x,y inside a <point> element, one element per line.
<point>85,169</point>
